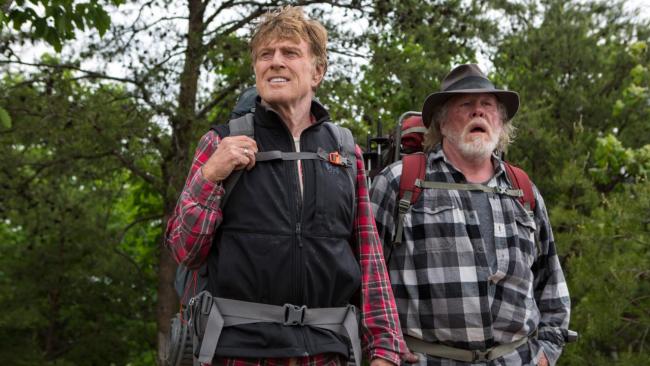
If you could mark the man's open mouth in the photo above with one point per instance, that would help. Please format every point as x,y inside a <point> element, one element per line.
<point>277,80</point>
<point>478,129</point>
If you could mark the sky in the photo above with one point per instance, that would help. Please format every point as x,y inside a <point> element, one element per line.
<point>31,53</point>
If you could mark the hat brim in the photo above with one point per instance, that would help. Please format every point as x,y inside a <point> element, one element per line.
<point>436,100</point>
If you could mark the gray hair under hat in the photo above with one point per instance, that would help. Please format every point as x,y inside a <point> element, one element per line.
<point>467,79</point>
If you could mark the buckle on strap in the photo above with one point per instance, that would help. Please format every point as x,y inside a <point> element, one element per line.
<point>403,205</point>
<point>481,356</point>
<point>294,314</point>
<point>335,158</point>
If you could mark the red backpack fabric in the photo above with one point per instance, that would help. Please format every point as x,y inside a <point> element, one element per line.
<point>412,134</point>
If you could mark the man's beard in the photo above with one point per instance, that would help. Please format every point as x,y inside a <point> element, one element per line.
<point>477,147</point>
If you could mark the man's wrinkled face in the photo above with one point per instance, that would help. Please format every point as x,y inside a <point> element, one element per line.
<point>473,125</point>
<point>285,72</point>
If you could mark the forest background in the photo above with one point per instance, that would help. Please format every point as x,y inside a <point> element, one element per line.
<point>103,101</point>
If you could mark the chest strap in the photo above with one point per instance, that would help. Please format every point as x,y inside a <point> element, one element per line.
<point>406,201</point>
<point>333,157</point>
<point>214,313</point>
<point>469,187</point>
<point>464,355</point>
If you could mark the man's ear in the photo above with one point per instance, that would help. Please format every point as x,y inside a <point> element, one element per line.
<point>317,75</point>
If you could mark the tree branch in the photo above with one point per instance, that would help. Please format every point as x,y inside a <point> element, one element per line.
<point>225,5</point>
<point>136,222</point>
<point>137,171</point>
<point>216,100</point>
<point>237,25</point>
<point>139,84</point>
<point>6,5</point>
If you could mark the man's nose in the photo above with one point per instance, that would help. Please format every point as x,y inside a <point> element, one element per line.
<point>277,61</point>
<point>478,111</point>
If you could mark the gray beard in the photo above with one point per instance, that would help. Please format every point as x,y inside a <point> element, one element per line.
<point>475,150</point>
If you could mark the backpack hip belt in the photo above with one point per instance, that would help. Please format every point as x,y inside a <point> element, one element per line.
<point>211,314</point>
<point>465,355</point>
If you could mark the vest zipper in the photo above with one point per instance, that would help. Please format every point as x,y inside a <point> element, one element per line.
<point>300,265</point>
<point>298,256</point>
<point>298,235</point>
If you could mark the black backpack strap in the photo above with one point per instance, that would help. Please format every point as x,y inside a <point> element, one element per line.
<point>243,125</point>
<point>197,280</point>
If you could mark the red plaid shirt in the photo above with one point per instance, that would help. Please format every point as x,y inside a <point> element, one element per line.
<point>197,215</point>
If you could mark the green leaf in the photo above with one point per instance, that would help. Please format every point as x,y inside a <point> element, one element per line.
<point>40,28</point>
<point>638,48</point>
<point>102,21</point>
<point>5,118</point>
<point>53,39</point>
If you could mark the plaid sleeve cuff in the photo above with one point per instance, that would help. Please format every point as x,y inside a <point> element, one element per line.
<point>205,192</point>
<point>551,350</point>
<point>385,354</point>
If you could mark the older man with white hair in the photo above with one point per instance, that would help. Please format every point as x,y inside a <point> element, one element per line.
<point>474,268</point>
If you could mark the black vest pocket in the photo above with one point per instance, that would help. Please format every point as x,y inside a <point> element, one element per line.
<point>334,200</point>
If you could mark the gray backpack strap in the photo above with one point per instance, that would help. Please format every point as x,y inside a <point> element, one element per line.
<point>332,158</point>
<point>347,147</point>
<point>243,125</point>
<point>516,193</point>
<point>345,140</point>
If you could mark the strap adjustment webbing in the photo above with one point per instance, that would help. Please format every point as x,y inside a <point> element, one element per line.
<point>334,157</point>
<point>403,207</point>
<point>222,313</point>
<point>469,187</point>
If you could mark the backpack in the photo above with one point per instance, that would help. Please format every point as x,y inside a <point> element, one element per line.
<point>410,135</point>
<point>191,282</point>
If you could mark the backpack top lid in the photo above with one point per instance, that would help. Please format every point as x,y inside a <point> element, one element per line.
<point>245,102</point>
<point>412,134</point>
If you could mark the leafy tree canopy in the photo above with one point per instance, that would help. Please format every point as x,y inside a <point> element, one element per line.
<point>56,21</point>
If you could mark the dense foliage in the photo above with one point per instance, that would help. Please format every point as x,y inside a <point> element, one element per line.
<point>93,160</point>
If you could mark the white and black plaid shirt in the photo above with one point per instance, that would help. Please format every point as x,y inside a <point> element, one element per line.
<point>444,287</point>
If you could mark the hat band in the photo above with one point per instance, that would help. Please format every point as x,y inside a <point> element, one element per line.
<point>471,82</point>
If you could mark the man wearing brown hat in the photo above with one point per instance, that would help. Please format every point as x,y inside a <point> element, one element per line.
<point>476,276</point>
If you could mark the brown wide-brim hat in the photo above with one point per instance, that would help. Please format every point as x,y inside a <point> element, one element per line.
<point>467,79</point>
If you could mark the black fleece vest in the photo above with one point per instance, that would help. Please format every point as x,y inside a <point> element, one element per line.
<point>276,247</point>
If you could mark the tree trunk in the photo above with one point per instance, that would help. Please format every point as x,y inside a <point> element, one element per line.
<point>6,5</point>
<point>176,164</point>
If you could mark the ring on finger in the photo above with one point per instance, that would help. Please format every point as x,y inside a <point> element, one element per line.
<point>245,151</point>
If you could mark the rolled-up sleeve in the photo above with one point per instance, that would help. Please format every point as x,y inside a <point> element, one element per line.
<point>382,336</point>
<point>197,215</point>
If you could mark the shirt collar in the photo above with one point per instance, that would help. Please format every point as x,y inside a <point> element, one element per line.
<point>269,118</point>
